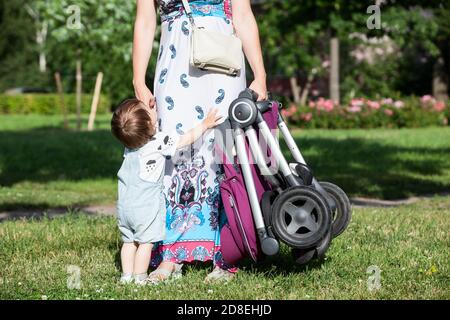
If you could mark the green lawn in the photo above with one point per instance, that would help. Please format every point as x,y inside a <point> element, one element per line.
<point>408,244</point>
<point>44,166</point>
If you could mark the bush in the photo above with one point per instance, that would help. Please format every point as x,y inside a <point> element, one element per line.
<point>48,104</point>
<point>411,112</point>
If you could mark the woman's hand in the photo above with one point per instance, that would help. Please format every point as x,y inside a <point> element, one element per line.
<point>144,94</point>
<point>260,87</point>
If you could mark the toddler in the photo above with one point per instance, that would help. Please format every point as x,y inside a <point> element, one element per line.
<point>141,205</point>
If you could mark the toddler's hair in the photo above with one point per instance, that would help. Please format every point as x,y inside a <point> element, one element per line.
<point>131,124</point>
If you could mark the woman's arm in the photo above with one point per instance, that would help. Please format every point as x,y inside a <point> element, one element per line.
<point>247,30</point>
<point>144,33</point>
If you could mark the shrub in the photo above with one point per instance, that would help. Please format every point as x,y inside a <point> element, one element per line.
<point>364,113</point>
<point>48,104</point>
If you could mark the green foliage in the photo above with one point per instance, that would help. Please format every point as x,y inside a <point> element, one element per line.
<point>48,104</point>
<point>296,35</point>
<point>103,42</point>
<point>18,54</point>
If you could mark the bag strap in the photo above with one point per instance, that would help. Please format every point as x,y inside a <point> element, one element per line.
<point>188,10</point>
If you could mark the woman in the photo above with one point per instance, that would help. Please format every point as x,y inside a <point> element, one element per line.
<point>183,95</point>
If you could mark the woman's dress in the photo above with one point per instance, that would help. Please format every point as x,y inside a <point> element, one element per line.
<point>184,95</point>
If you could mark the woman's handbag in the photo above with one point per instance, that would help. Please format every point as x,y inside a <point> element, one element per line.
<point>214,51</point>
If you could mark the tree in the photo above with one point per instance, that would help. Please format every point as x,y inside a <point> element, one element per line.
<point>297,36</point>
<point>37,11</point>
<point>18,53</point>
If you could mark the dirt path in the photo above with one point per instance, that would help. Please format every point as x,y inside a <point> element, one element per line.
<point>110,210</point>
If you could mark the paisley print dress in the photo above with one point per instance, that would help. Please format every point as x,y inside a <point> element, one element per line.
<point>184,95</point>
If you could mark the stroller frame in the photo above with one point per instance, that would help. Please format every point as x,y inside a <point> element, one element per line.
<point>245,115</point>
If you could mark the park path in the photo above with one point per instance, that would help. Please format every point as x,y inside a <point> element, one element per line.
<point>110,209</point>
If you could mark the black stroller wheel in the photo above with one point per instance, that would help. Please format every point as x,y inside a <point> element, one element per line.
<point>343,213</point>
<point>301,217</point>
<point>304,256</point>
<point>323,247</point>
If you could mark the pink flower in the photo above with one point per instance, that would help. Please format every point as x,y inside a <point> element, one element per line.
<point>354,109</point>
<point>326,105</point>
<point>306,116</point>
<point>388,101</point>
<point>439,106</point>
<point>399,104</point>
<point>312,104</point>
<point>289,112</point>
<point>374,104</point>
<point>326,64</point>
<point>389,112</point>
<point>357,102</point>
<point>427,98</point>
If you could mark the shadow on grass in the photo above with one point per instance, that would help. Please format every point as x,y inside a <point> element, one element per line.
<point>359,166</point>
<point>371,169</point>
<point>52,154</point>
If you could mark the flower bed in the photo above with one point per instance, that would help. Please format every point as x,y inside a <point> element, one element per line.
<point>364,113</point>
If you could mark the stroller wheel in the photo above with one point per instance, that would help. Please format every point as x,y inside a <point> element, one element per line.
<point>304,256</point>
<point>323,247</point>
<point>301,217</point>
<point>343,213</point>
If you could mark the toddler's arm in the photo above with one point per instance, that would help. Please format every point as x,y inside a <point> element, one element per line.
<point>211,120</point>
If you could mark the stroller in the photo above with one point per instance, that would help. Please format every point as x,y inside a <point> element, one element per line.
<point>266,199</point>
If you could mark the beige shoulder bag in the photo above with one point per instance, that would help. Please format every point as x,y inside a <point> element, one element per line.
<point>214,51</point>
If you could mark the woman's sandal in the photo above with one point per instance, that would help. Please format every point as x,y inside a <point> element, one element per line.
<point>164,275</point>
<point>219,275</point>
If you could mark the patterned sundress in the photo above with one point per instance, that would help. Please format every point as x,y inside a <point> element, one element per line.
<point>184,95</point>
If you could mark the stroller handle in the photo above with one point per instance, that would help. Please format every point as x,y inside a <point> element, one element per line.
<point>264,105</point>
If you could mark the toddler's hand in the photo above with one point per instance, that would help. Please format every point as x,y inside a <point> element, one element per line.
<point>212,119</point>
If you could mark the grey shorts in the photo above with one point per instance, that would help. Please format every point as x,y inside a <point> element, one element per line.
<point>142,224</point>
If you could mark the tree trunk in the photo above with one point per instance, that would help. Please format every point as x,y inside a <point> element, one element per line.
<point>59,87</point>
<point>295,89</point>
<point>307,88</point>
<point>334,75</point>
<point>79,79</point>
<point>440,81</point>
<point>41,38</point>
<point>95,100</point>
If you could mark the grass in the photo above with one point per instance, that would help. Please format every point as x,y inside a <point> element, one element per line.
<point>45,166</point>
<point>408,244</point>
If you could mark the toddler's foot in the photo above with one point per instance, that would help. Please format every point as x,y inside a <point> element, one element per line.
<point>140,279</point>
<point>126,278</point>
<point>219,275</point>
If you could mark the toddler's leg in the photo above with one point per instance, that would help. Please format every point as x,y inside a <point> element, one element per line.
<point>142,259</point>
<point>127,256</point>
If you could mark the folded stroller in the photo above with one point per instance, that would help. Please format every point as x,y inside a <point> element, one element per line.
<point>266,199</point>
